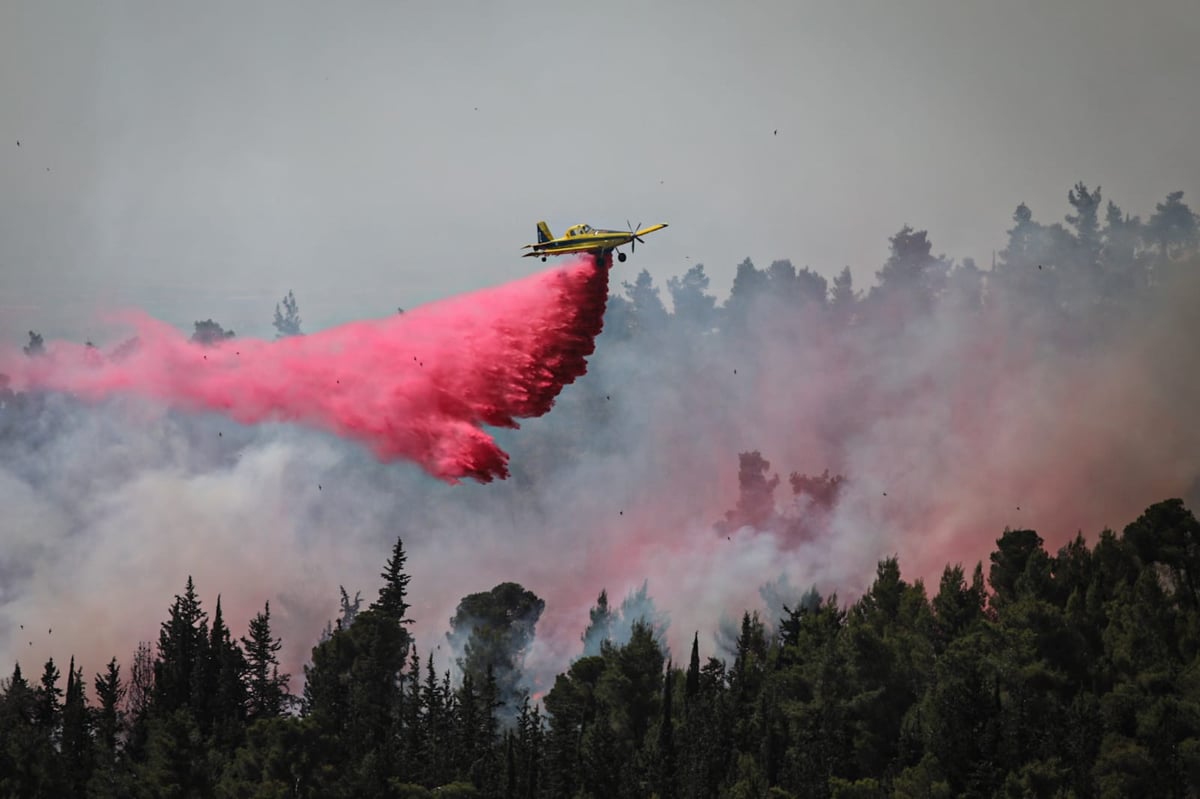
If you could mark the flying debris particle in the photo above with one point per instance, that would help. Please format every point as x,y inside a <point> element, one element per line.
<point>1039,266</point>
<point>22,626</point>
<point>608,396</point>
<point>735,371</point>
<point>1018,507</point>
<point>220,434</point>
<point>621,513</point>
<point>885,493</point>
<point>18,142</point>
<point>776,132</point>
<point>49,631</point>
<point>318,486</point>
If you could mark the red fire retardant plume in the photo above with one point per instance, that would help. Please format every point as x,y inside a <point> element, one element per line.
<point>418,385</point>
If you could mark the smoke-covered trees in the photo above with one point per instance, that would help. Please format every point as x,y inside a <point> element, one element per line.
<point>756,496</point>
<point>287,320</point>
<point>601,619</point>
<point>493,630</point>
<point>36,345</point>
<point>608,626</point>
<point>1067,674</point>
<point>693,306</point>
<point>647,308</point>
<point>912,276</point>
<point>208,332</point>
<point>1172,229</point>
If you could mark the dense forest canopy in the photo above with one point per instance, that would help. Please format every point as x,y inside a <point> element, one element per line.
<point>1075,673</point>
<point>721,476</point>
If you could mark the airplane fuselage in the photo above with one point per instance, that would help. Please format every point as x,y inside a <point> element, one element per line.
<point>585,238</point>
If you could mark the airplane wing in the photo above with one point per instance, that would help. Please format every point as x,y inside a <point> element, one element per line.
<point>560,250</point>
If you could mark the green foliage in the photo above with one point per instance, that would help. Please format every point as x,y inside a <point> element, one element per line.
<point>493,630</point>
<point>1073,673</point>
<point>1079,676</point>
<point>266,688</point>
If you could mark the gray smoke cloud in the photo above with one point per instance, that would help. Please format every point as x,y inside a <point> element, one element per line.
<point>948,425</point>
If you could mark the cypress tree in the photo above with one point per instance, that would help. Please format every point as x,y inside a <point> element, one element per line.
<point>692,686</point>
<point>76,734</point>
<point>226,667</point>
<point>666,741</point>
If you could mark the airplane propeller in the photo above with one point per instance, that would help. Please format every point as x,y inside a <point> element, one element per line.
<point>632,232</point>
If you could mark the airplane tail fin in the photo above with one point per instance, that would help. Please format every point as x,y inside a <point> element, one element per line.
<point>543,232</point>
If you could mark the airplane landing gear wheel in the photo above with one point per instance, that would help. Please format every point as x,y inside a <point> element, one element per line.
<point>543,259</point>
<point>621,257</point>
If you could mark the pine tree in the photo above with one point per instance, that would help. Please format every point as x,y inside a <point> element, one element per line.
<point>47,707</point>
<point>43,744</point>
<point>266,688</point>
<point>693,305</point>
<point>21,748</point>
<point>139,698</point>
<point>182,652</point>
<point>392,602</point>
<point>600,624</point>
<point>493,630</point>
<point>108,722</point>
<point>842,297</point>
<point>287,322</point>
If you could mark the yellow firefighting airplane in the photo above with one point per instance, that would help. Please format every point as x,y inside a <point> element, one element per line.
<point>585,238</point>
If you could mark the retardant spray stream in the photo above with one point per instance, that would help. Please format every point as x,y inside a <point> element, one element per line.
<point>419,385</point>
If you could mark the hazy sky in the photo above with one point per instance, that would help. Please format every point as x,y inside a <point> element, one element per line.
<point>201,160</point>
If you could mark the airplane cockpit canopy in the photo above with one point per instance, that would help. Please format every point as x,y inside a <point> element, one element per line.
<point>579,230</point>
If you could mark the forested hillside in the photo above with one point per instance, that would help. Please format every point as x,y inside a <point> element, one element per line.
<point>1075,673</point>
<point>1060,384</point>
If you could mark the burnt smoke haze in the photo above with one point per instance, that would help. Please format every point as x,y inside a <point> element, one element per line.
<point>719,455</point>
